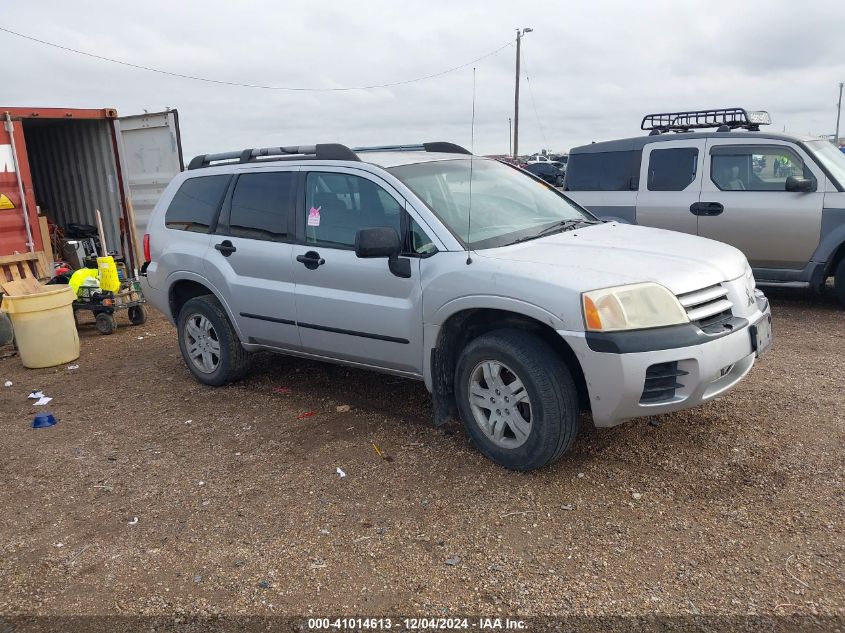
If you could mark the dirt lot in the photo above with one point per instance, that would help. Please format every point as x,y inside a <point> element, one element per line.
<point>732,508</point>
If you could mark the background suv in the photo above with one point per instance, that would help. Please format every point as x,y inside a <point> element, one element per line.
<point>549,171</point>
<point>780,199</point>
<point>515,306</point>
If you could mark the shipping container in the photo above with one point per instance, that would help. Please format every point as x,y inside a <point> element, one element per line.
<point>68,163</point>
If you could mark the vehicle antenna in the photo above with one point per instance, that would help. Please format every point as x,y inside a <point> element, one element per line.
<point>471,158</point>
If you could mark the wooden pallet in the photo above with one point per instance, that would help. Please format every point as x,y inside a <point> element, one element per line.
<point>23,266</point>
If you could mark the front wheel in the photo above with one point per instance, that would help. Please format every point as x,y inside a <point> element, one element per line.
<point>517,399</point>
<point>209,344</point>
<point>105,323</point>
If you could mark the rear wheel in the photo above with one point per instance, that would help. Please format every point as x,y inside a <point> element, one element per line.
<point>839,281</point>
<point>209,344</point>
<point>517,399</point>
<point>137,315</point>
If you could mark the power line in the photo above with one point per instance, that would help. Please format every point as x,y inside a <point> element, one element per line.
<point>245,85</point>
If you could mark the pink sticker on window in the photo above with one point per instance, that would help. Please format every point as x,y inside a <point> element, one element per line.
<point>314,216</point>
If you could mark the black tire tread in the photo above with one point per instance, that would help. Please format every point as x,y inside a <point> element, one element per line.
<point>137,315</point>
<point>551,378</point>
<point>106,323</point>
<point>237,358</point>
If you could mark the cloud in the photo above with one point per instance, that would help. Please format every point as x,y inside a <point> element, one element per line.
<point>595,68</point>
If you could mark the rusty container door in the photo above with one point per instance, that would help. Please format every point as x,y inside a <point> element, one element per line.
<point>15,177</point>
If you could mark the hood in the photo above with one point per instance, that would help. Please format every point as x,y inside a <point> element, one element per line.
<point>613,254</point>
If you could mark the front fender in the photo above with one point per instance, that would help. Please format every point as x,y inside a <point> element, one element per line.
<point>185,275</point>
<point>832,235</point>
<point>431,329</point>
<point>494,302</point>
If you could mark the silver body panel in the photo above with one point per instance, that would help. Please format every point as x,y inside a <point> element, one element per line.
<point>355,311</point>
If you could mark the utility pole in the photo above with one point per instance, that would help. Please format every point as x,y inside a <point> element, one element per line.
<point>838,111</point>
<point>519,34</point>
<point>510,137</point>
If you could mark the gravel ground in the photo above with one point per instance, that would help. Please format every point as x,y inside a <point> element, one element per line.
<point>156,495</point>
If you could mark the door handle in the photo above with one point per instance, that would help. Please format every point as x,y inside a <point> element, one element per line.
<point>226,248</point>
<point>311,259</point>
<point>706,208</point>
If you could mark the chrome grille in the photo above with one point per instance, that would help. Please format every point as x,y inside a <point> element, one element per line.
<point>708,306</point>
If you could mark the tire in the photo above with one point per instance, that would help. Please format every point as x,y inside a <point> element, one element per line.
<point>839,281</point>
<point>105,323</point>
<point>137,315</point>
<point>552,407</point>
<point>203,327</point>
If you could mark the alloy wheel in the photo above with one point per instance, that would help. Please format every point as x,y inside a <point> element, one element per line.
<point>500,404</point>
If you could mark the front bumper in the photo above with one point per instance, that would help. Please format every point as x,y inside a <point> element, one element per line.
<point>710,367</point>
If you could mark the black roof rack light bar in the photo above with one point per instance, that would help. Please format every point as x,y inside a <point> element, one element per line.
<point>725,119</point>
<point>320,151</point>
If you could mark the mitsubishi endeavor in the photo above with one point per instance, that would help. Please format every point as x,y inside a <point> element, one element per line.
<point>515,306</point>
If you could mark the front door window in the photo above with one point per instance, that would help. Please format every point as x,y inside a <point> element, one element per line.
<point>338,205</point>
<point>760,168</point>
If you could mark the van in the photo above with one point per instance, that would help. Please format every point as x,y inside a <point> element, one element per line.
<point>778,198</point>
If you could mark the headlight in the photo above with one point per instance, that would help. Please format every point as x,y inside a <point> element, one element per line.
<point>631,307</point>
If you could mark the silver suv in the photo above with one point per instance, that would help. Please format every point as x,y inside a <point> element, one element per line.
<point>780,199</point>
<point>515,306</point>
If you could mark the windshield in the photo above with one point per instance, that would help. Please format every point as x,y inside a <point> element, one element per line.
<point>831,159</point>
<point>506,205</point>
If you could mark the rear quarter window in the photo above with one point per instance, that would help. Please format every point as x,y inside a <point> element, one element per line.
<point>194,207</point>
<point>603,171</point>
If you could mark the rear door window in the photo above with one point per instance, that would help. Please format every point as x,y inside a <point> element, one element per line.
<point>672,169</point>
<point>603,171</point>
<point>261,205</point>
<point>196,203</point>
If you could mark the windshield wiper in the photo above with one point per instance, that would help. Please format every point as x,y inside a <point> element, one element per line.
<point>557,227</point>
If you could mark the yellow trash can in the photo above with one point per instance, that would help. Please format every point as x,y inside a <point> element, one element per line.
<point>108,274</point>
<point>44,327</point>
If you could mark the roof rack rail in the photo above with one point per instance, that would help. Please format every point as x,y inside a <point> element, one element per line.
<point>320,151</point>
<point>725,119</point>
<point>437,146</point>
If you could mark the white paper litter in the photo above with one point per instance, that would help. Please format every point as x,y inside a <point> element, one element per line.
<point>340,472</point>
<point>73,366</point>
<point>8,383</point>
<point>133,521</point>
<point>42,401</point>
<point>35,395</point>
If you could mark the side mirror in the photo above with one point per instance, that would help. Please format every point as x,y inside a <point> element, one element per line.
<point>802,185</point>
<point>381,241</point>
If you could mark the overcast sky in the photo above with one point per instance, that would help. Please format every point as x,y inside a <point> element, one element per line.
<point>594,67</point>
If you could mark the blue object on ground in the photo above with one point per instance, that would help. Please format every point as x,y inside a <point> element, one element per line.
<point>43,420</point>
